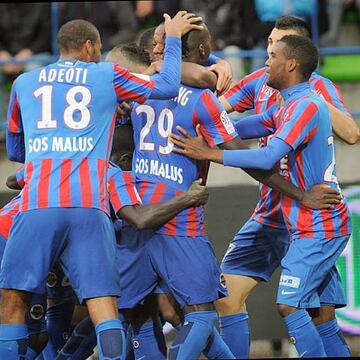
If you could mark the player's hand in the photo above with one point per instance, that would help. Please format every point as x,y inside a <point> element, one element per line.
<point>155,67</point>
<point>321,196</point>
<point>194,147</point>
<point>224,74</point>
<point>123,113</point>
<point>181,23</point>
<point>198,193</point>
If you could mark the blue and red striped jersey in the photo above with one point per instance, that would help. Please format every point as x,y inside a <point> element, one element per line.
<point>67,112</point>
<point>160,173</point>
<point>7,215</point>
<point>304,124</point>
<point>252,92</point>
<point>122,190</point>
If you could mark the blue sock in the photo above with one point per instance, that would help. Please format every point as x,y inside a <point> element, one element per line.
<point>110,340</point>
<point>217,348</point>
<point>193,336</point>
<point>58,320</point>
<point>304,335</point>
<point>148,341</point>
<point>13,341</point>
<point>235,331</point>
<point>81,343</point>
<point>49,352</point>
<point>333,339</point>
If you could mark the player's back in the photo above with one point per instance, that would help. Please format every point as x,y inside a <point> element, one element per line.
<point>161,173</point>
<point>66,111</point>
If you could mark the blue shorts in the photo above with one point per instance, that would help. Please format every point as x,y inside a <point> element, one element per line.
<point>256,251</point>
<point>82,239</point>
<point>309,277</point>
<point>58,285</point>
<point>187,265</point>
<point>35,318</point>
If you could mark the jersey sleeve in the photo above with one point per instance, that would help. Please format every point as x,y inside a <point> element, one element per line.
<point>299,124</point>
<point>20,175</point>
<point>14,121</point>
<point>330,92</point>
<point>122,189</point>
<point>130,87</point>
<point>242,95</point>
<point>216,126</point>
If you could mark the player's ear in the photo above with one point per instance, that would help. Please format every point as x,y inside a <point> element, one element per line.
<point>89,47</point>
<point>291,65</point>
<point>202,50</point>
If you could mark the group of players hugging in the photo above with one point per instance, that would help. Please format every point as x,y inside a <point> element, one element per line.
<point>110,215</point>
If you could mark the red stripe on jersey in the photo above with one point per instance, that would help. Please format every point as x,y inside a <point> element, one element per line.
<point>344,218</point>
<point>171,226</point>
<point>85,184</point>
<point>203,130</point>
<point>300,170</point>
<point>127,94</point>
<point>114,196</point>
<point>286,207</point>
<point>5,225</point>
<point>64,187</point>
<point>327,223</point>
<point>263,192</point>
<point>302,121</point>
<point>25,196</point>
<point>130,187</point>
<point>215,113</point>
<point>304,222</point>
<point>101,166</point>
<point>143,188</point>
<point>158,193</point>
<point>14,121</point>
<point>125,73</point>
<point>43,185</point>
<point>256,74</point>
<point>192,222</point>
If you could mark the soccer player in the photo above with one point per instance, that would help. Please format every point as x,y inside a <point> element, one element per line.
<point>160,174</point>
<point>302,131</point>
<point>258,247</point>
<point>54,127</point>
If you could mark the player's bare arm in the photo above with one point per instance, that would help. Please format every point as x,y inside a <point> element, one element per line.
<point>344,126</point>
<point>320,196</point>
<point>156,215</point>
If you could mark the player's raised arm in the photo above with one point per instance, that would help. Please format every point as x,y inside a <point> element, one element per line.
<point>167,83</point>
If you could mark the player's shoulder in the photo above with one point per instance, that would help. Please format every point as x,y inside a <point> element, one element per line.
<point>317,79</point>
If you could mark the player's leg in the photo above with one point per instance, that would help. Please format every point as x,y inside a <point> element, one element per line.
<point>332,296</point>
<point>61,303</point>
<point>90,247</point>
<point>25,274</point>
<point>304,269</point>
<point>195,295</point>
<point>138,279</point>
<point>252,257</point>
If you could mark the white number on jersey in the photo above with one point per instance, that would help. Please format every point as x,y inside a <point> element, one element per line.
<point>166,116</point>
<point>47,122</point>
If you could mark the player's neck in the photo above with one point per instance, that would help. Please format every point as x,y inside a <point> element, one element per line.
<point>73,55</point>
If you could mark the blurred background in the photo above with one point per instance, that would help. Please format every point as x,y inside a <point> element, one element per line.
<point>239,29</point>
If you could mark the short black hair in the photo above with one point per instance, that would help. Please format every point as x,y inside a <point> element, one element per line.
<point>130,52</point>
<point>304,51</point>
<point>193,39</point>
<point>74,34</point>
<point>297,24</point>
<point>123,140</point>
<point>146,39</point>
